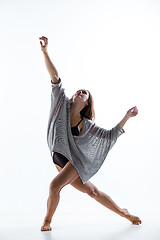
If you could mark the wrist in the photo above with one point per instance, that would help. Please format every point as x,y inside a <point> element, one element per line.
<point>127,116</point>
<point>45,52</point>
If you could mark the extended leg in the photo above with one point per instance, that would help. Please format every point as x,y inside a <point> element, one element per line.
<point>99,196</point>
<point>104,199</point>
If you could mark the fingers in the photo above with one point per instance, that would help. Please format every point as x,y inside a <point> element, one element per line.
<point>132,112</point>
<point>133,109</point>
<point>44,39</point>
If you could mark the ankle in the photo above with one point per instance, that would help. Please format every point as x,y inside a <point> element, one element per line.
<point>47,221</point>
<point>122,213</point>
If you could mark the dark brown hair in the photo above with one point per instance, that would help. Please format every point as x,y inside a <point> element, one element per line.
<point>88,111</point>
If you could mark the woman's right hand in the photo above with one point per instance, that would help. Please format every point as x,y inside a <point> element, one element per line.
<point>44,47</point>
<point>132,112</point>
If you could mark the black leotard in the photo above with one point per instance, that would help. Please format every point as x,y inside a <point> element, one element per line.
<point>58,158</point>
<point>75,130</point>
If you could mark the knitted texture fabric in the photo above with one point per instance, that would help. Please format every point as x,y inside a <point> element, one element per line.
<point>87,151</point>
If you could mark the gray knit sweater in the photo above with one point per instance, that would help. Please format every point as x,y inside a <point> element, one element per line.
<point>87,151</point>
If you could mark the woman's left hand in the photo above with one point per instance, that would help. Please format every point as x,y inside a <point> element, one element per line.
<point>132,112</point>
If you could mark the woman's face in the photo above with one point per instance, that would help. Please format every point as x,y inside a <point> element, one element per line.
<point>81,96</point>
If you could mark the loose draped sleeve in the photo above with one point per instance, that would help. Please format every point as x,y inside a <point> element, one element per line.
<point>109,136</point>
<point>56,94</point>
<point>57,97</point>
<point>96,144</point>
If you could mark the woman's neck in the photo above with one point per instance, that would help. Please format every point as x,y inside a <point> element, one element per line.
<point>75,111</point>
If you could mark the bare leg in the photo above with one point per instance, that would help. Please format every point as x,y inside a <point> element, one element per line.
<point>52,204</point>
<point>104,199</point>
<point>66,176</point>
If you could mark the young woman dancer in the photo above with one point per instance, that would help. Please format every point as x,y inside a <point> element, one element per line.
<point>77,145</point>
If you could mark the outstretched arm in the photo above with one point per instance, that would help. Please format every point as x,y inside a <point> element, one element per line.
<point>50,67</point>
<point>130,113</point>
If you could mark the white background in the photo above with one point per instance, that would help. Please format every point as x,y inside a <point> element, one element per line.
<point>111,48</point>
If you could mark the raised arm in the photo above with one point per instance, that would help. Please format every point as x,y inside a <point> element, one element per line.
<point>50,67</point>
<point>130,113</point>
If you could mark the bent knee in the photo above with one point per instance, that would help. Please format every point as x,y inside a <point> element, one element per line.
<point>54,188</point>
<point>94,193</point>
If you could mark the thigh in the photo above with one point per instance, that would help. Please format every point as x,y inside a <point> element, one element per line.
<point>88,187</point>
<point>67,175</point>
<point>58,168</point>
